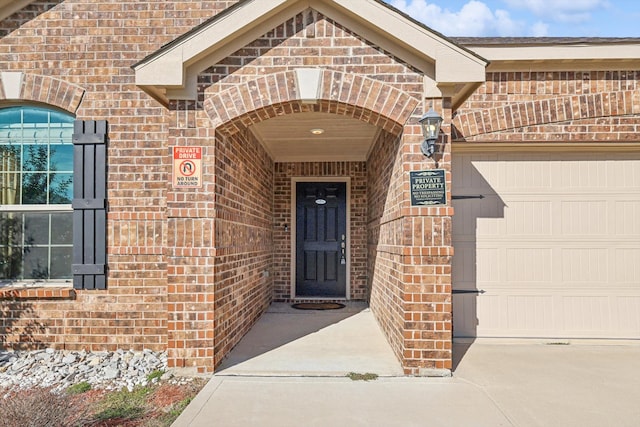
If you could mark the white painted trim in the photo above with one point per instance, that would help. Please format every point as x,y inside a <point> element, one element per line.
<point>292,230</point>
<point>567,65</point>
<point>9,7</point>
<point>559,52</point>
<point>213,42</point>
<point>583,147</point>
<point>407,39</point>
<point>309,84</point>
<point>171,72</point>
<point>36,208</point>
<point>582,56</point>
<point>12,83</point>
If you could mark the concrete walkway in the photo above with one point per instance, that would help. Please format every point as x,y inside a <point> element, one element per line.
<point>289,371</point>
<point>290,342</point>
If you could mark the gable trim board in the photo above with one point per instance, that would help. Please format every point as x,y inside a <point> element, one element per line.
<point>555,54</point>
<point>544,147</point>
<point>9,7</point>
<point>171,72</point>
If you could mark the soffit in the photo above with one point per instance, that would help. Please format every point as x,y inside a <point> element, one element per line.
<point>9,7</point>
<point>171,72</point>
<point>288,138</point>
<point>531,54</point>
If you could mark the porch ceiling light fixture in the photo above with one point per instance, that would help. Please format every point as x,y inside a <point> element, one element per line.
<point>317,131</point>
<point>430,123</point>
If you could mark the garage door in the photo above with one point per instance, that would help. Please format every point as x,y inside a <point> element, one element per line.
<point>551,250</point>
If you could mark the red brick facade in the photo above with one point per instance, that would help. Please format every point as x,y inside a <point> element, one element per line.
<point>190,271</point>
<point>568,106</point>
<point>77,56</point>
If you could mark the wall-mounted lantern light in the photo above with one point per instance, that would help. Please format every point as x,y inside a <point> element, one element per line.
<point>430,123</point>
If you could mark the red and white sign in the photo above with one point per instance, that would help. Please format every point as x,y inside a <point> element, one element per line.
<point>187,167</point>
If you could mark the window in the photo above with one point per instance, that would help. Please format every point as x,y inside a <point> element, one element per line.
<point>36,191</point>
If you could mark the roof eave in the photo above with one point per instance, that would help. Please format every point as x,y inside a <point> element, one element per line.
<point>532,53</point>
<point>9,7</point>
<point>172,69</point>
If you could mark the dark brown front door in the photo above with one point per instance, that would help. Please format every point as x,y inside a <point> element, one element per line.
<point>321,239</point>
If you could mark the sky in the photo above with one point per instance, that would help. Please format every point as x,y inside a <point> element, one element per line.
<point>526,18</point>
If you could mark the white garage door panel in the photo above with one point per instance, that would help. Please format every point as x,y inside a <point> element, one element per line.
<point>626,218</point>
<point>627,265</point>
<point>546,316</point>
<point>554,246</point>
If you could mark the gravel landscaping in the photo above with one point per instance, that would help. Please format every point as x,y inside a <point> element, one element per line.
<point>96,389</point>
<point>60,369</point>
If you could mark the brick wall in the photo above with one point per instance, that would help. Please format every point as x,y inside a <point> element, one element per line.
<point>28,13</point>
<point>555,106</point>
<point>385,266</point>
<point>311,40</point>
<point>410,251</point>
<point>87,48</point>
<point>244,238</point>
<point>189,249</point>
<point>21,325</point>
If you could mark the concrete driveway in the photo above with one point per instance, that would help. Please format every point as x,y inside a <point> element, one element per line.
<point>541,384</point>
<point>293,381</point>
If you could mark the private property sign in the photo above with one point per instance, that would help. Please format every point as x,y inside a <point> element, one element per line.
<point>187,167</point>
<point>428,187</point>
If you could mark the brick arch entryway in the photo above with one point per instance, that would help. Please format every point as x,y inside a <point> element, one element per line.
<point>252,206</point>
<point>360,97</point>
<point>254,192</point>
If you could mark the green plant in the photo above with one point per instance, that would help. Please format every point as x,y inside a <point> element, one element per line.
<point>362,377</point>
<point>124,404</point>
<point>179,407</point>
<point>175,411</point>
<point>78,388</point>
<point>158,373</point>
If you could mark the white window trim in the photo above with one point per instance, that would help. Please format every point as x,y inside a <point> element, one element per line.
<point>36,208</point>
<point>28,284</point>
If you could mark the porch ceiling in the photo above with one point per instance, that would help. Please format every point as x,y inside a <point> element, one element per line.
<point>289,138</point>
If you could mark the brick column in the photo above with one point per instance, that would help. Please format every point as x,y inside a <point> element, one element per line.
<point>426,259</point>
<point>190,295</point>
<point>190,254</point>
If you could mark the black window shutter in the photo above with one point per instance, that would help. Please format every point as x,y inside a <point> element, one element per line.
<point>89,204</point>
